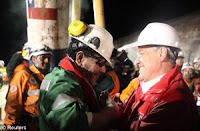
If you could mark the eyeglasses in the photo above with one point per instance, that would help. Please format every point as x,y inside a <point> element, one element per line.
<point>44,56</point>
<point>100,61</point>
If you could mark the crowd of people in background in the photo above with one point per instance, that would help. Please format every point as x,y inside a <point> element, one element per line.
<point>191,76</point>
<point>97,87</point>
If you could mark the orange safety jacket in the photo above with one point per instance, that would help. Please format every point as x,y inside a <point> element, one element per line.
<point>116,83</point>
<point>195,87</point>
<point>129,89</point>
<point>22,96</point>
<point>20,67</point>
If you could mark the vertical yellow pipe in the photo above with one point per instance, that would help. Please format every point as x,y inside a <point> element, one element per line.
<point>99,13</point>
<point>76,10</point>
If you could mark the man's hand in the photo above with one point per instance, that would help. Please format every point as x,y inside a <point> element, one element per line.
<point>117,97</point>
<point>109,116</point>
<point>103,98</point>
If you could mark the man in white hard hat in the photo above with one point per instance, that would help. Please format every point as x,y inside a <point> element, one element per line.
<point>192,82</point>
<point>180,59</point>
<point>67,98</point>
<point>162,101</point>
<point>23,94</point>
<point>196,63</point>
<point>188,72</point>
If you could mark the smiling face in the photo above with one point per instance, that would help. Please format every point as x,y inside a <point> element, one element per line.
<point>188,74</point>
<point>149,62</point>
<point>42,62</point>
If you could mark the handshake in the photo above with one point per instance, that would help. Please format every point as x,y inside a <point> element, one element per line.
<point>106,101</point>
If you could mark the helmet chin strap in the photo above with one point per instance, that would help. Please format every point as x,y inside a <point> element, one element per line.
<point>37,66</point>
<point>41,70</point>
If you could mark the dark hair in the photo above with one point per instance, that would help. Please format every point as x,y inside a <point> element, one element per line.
<point>76,46</point>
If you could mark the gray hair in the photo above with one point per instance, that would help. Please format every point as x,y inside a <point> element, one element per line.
<point>172,53</point>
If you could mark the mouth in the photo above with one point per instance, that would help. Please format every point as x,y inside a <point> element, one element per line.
<point>141,69</point>
<point>94,79</point>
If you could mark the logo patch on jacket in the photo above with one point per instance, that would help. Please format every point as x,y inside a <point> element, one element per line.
<point>13,89</point>
<point>32,81</point>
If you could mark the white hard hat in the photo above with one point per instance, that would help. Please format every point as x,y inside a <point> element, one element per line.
<point>197,59</point>
<point>96,37</point>
<point>158,34</point>
<point>180,54</point>
<point>2,63</point>
<point>39,49</point>
<point>26,49</point>
<point>187,65</point>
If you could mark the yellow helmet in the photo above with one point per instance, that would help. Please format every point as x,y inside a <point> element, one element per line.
<point>26,51</point>
<point>95,37</point>
<point>76,28</point>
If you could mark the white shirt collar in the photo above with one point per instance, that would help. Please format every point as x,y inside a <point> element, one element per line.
<point>147,85</point>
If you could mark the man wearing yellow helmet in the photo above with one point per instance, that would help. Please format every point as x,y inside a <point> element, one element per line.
<point>22,98</point>
<point>67,99</point>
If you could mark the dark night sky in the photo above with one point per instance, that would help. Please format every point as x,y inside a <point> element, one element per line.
<point>122,17</point>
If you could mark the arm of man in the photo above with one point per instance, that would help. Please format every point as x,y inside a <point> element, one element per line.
<point>176,116</point>
<point>108,118</point>
<point>14,103</point>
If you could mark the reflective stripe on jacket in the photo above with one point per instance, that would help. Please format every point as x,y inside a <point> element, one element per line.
<point>66,99</point>
<point>116,83</point>
<point>22,96</point>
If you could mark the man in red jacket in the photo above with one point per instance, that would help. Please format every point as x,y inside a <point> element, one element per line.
<point>162,101</point>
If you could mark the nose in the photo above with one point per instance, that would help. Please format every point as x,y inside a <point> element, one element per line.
<point>47,59</point>
<point>137,61</point>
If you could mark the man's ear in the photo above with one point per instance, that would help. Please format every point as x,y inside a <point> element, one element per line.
<point>79,58</point>
<point>163,53</point>
<point>34,59</point>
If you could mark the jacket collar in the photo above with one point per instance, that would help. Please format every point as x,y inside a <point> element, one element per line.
<point>90,97</point>
<point>170,77</point>
<point>68,63</point>
<point>34,69</point>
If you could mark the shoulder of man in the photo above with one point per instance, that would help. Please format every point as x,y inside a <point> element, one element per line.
<point>13,63</point>
<point>61,75</point>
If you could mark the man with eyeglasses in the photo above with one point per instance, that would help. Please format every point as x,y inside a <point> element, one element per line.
<point>67,99</point>
<point>23,94</point>
<point>162,101</point>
